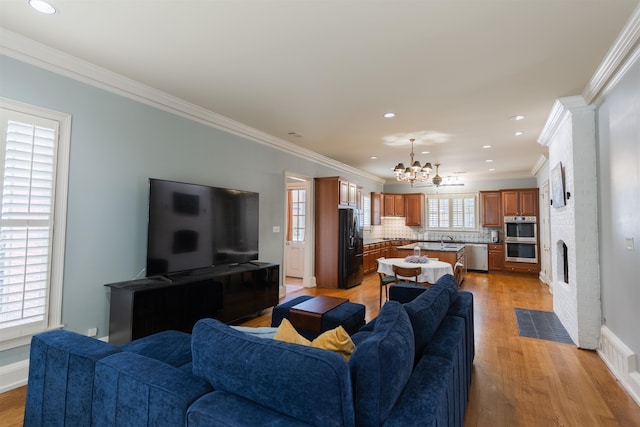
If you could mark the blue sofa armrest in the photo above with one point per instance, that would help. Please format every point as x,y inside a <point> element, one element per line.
<point>60,384</point>
<point>304,383</point>
<point>131,389</point>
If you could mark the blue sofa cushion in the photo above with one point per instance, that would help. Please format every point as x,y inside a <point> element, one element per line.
<point>170,347</point>
<point>426,312</point>
<point>225,409</point>
<point>135,390</point>
<point>61,368</point>
<point>305,383</point>
<point>381,364</point>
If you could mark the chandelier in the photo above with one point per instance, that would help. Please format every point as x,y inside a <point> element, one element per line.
<point>414,172</point>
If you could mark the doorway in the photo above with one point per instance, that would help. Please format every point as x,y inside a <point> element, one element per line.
<point>298,243</point>
<point>545,238</point>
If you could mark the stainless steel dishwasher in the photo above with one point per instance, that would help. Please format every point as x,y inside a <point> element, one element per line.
<point>476,256</point>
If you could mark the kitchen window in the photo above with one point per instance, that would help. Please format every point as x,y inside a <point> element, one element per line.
<point>453,212</point>
<point>33,178</point>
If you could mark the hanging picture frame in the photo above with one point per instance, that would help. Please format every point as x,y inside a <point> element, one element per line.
<point>557,187</point>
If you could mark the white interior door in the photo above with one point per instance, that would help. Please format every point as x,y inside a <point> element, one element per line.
<point>295,243</point>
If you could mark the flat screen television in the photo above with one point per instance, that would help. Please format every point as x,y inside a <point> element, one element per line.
<point>192,227</point>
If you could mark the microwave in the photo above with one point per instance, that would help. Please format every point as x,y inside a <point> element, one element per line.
<point>520,229</point>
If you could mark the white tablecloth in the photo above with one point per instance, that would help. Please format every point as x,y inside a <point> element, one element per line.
<point>431,271</point>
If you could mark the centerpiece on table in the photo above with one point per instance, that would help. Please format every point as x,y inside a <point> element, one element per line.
<point>417,259</point>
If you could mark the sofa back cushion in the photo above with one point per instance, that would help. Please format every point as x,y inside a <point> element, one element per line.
<point>305,383</point>
<point>381,364</point>
<point>426,312</point>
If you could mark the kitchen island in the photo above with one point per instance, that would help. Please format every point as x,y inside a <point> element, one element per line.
<point>453,253</point>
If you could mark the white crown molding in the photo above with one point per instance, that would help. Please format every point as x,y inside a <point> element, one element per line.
<point>542,160</point>
<point>560,112</point>
<point>613,64</point>
<point>42,56</point>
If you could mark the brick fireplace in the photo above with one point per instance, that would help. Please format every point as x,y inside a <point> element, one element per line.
<point>570,136</point>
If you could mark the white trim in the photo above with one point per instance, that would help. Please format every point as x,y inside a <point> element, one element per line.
<point>14,375</point>
<point>56,272</point>
<point>608,70</point>
<point>40,55</point>
<point>621,361</point>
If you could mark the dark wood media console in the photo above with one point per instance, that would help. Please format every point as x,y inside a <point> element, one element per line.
<point>227,293</point>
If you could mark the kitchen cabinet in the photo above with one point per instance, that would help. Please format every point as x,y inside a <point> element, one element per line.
<point>329,194</point>
<point>496,257</point>
<point>349,194</point>
<point>393,205</point>
<point>491,205</point>
<point>376,208</point>
<point>522,202</point>
<point>522,267</point>
<point>414,207</point>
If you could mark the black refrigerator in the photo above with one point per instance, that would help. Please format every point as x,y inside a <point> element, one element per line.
<point>350,248</point>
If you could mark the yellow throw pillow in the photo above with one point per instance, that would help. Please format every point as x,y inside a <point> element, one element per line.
<point>337,339</point>
<point>287,333</point>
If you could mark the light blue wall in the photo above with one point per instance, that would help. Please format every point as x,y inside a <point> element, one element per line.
<point>116,145</point>
<point>619,204</point>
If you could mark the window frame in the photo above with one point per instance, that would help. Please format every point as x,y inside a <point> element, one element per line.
<point>19,336</point>
<point>451,212</point>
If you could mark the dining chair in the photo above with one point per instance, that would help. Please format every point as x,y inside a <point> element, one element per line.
<point>385,280</point>
<point>406,272</point>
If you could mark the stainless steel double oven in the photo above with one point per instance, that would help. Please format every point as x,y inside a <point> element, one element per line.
<point>521,239</point>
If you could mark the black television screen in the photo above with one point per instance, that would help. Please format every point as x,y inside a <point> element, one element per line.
<point>196,226</point>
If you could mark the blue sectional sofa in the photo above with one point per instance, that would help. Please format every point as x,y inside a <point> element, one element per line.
<point>411,366</point>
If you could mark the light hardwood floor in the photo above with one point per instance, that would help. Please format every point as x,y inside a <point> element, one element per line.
<point>516,381</point>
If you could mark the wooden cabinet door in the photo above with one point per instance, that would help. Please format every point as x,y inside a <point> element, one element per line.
<point>520,202</point>
<point>389,205</point>
<point>414,204</point>
<point>496,257</point>
<point>398,204</point>
<point>344,193</point>
<point>528,202</point>
<point>491,202</point>
<point>353,195</point>
<point>510,203</point>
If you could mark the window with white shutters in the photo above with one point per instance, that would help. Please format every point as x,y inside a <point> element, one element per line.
<point>453,212</point>
<point>30,271</point>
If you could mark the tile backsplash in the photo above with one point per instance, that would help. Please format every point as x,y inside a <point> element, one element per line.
<point>393,227</point>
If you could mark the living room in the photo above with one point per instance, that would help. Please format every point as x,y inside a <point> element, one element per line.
<point>122,135</point>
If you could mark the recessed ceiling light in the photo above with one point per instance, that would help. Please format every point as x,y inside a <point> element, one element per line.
<point>389,115</point>
<point>487,146</point>
<point>518,133</point>
<point>489,161</point>
<point>492,169</point>
<point>373,157</point>
<point>43,7</point>
<point>425,152</point>
<point>517,117</point>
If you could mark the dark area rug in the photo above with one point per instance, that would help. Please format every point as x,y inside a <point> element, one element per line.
<point>543,325</point>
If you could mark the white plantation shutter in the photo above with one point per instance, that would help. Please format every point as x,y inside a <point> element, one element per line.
<point>28,159</point>
<point>453,212</point>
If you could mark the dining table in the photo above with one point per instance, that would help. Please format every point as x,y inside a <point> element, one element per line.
<point>432,270</point>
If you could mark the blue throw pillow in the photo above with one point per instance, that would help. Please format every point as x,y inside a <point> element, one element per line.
<point>305,383</point>
<point>426,312</point>
<point>381,364</point>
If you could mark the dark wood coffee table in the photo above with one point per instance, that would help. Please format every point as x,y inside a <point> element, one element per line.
<point>308,314</point>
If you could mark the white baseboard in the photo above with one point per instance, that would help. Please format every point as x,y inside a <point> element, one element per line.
<point>621,361</point>
<point>14,375</point>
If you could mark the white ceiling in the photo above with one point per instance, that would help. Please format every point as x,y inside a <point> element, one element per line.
<point>453,71</point>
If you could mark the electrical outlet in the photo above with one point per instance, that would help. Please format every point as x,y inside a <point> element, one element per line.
<point>276,229</point>
<point>629,241</point>
<point>92,332</point>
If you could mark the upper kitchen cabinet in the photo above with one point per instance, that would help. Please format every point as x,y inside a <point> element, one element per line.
<point>491,205</point>
<point>414,206</point>
<point>349,194</point>
<point>376,208</point>
<point>523,202</point>
<point>393,205</point>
